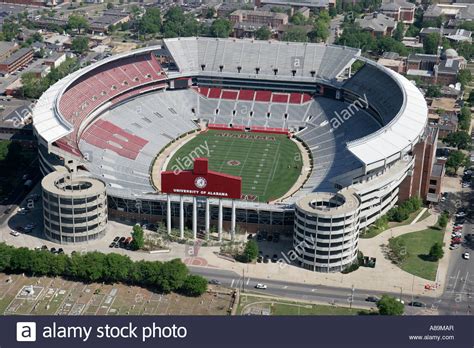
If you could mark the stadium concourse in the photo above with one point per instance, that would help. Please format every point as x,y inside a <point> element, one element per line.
<point>111,120</point>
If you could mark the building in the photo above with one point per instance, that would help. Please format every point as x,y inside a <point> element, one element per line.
<point>456,11</point>
<point>19,59</point>
<point>74,208</point>
<point>110,17</point>
<point>312,4</point>
<point>417,183</point>
<point>258,19</point>
<point>327,230</point>
<point>55,60</point>
<point>6,49</point>
<point>456,35</point>
<point>400,10</point>
<point>436,70</point>
<point>377,24</point>
<point>397,65</point>
<point>261,91</point>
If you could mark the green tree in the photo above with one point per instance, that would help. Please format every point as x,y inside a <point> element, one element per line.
<point>150,22</point>
<point>263,33</point>
<point>464,77</point>
<point>443,220</point>
<point>117,268</point>
<point>433,91</point>
<point>459,139</point>
<point>464,118</point>
<point>80,44</point>
<point>110,5</point>
<point>295,34</point>
<point>10,30</point>
<point>436,252</point>
<point>399,31</point>
<point>456,160</point>
<point>298,19</point>
<point>389,305</point>
<point>221,28</point>
<point>320,31</point>
<point>250,252</point>
<point>194,286</point>
<point>172,275</point>
<point>138,240</point>
<point>211,13</point>
<point>431,42</point>
<point>77,22</point>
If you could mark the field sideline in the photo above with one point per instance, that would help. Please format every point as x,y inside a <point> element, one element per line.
<point>269,164</point>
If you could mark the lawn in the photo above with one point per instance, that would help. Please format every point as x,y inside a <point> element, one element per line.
<point>418,246</point>
<point>285,307</point>
<point>269,164</point>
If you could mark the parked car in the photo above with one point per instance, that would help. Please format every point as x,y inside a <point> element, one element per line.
<point>15,233</point>
<point>60,251</point>
<point>260,259</point>
<point>260,286</point>
<point>112,245</point>
<point>274,258</point>
<point>466,256</point>
<point>116,239</point>
<point>416,304</point>
<point>214,282</point>
<point>266,259</point>
<point>53,250</point>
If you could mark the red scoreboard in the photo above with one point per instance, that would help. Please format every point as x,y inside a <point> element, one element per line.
<point>200,181</point>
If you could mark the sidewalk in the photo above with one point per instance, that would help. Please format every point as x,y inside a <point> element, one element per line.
<point>384,277</point>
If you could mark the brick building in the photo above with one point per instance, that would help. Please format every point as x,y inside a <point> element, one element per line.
<point>17,60</point>
<point>399,10</point>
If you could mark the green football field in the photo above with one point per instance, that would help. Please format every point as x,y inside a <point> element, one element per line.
<point>269,164</point>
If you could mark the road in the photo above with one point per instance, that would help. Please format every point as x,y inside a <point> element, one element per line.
<point>333,26</point>
<point>460,283</point>
<point>318,293</point>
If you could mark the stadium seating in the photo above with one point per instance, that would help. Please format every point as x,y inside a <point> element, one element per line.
<point>121,79</point>
<point>269,57</point>
<point>382,92</point>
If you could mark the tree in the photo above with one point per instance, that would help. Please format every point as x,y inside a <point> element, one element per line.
<point>320,31</point>
<point>110,5</point>
<point>221,28</point>
<point>117,268</point>
<point>194,286</point>
<point>295,34</point>
<point>250,252</point>
<point>332,12</point>
<point>263,33</point>
<point>150,23</point>
<point>138,240</point>
<point>10,30</point>
<point>298,19</point>
<point>443,220</point>
<point>389,44</point>
<point>80,44</point>
<point>464,77</point>
<point>436,252</point>
<point>459,139</point>
<point>431,42</point>
<point>172,275</point>
<point>455,160</point>
<point>389,305</point>
<point>464,118</point>
<point>77,22</point>
<point>399,31</point>
<point>433,91</point>
<point>354,36</point>
<point>211,13</point>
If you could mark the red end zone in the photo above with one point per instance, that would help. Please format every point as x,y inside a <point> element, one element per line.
<point>201,182</point>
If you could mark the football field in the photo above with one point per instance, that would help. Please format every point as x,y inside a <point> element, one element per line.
<point>269,164</point>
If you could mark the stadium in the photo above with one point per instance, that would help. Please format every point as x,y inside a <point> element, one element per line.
<point>291,138</point>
